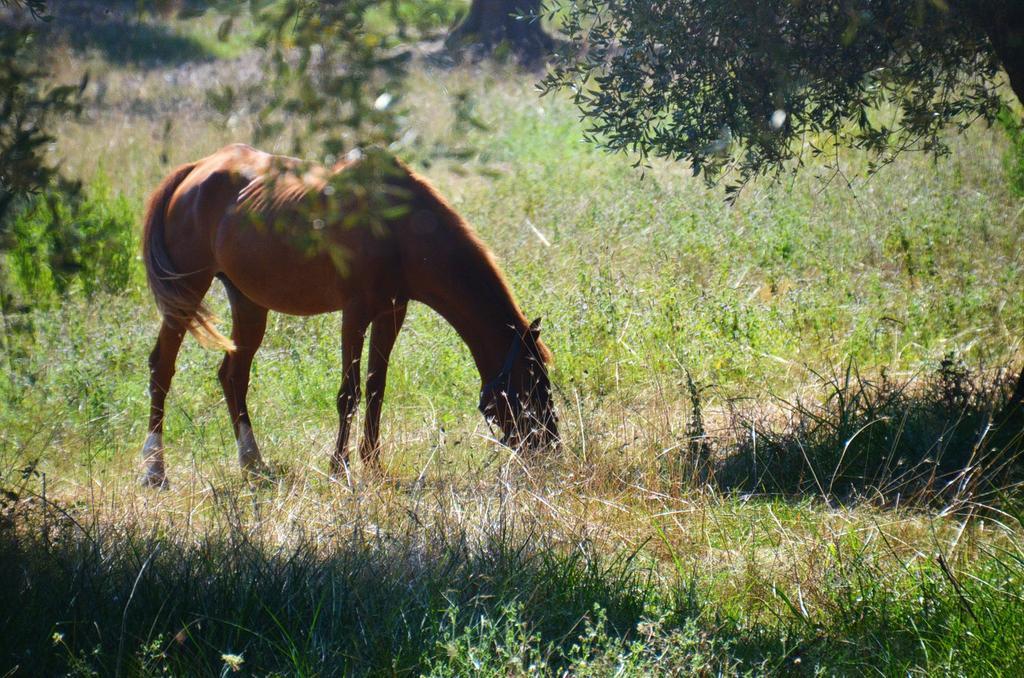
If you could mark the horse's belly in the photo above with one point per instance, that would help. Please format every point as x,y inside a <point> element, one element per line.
<point>277,275</point>
<point>296,291</point>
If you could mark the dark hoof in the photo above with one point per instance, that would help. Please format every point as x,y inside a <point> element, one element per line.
<point>156,480</point>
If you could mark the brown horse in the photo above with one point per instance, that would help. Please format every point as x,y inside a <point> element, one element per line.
<point>279,237</point>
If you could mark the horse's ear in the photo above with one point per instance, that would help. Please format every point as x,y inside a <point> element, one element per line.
<point>535,328</point>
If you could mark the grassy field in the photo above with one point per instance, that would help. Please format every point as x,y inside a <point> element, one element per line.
<point>775,419</point>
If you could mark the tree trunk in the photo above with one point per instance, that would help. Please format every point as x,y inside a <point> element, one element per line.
<point>492,24</point>
<point>1003,23</point>
<point>1005,29</point>
<point>1007,38</point>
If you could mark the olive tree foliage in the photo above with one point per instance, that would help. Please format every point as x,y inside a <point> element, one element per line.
<point>754,87</point>
<point>29,105</point>
<point>331,90</point>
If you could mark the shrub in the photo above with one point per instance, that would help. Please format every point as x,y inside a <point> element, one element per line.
<point>1013,156</point>
<point>62,243</point>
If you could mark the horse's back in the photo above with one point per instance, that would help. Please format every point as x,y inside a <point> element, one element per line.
<point>272,233</point>
<point>206,193</point>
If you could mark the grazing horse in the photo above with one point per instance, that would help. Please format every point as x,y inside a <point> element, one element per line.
<point>280,237</point>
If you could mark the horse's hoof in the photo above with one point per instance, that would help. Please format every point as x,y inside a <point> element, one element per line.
<point>153,474</point>
<point>376,472</point>
<point>250,464</point>
<point>340,472</point>
<point>155,480</point>
<point>258,472</point>
<point>249,457</point>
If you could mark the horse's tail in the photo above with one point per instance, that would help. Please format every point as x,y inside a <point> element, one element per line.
<point>175,301</point>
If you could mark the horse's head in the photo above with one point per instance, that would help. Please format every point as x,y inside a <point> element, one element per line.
<point>518,400</point>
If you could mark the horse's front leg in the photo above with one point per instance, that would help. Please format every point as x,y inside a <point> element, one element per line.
<point>382,339</point>
<point>353,333</point>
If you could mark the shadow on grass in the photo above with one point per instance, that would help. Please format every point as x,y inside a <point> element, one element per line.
<point>111,600</point>
<point>946,439</point>
<point>137,43</point>
<point>118,31</point>
<point>120,599</point>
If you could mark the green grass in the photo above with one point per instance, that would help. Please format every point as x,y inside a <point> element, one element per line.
<point>828,331</point>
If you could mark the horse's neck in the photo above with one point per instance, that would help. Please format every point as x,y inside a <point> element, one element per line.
<point>469,293</point>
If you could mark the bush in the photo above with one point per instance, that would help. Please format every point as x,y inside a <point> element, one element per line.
<point>63,243</point>
<point>1013,156</point>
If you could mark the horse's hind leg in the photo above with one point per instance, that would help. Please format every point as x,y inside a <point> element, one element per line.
<point>161,371</point>
<point>383,333</point>
<point>248,324</point>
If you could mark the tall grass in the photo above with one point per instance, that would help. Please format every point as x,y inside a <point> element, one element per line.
<point>450,582</point>
<point>948,440</point>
